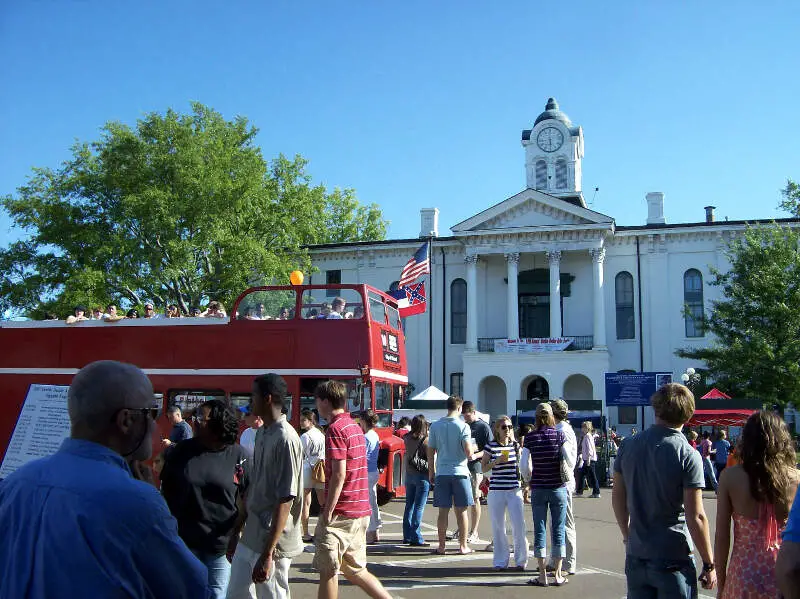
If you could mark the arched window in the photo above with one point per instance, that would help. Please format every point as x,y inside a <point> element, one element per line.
<point>623,290</point>
<point>541,174</point>
<point>693,303</point>
<point>561,174</point>
<point>458,311</point>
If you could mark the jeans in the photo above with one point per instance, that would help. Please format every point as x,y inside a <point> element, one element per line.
<point>661,579</point>
<point>417,488</point>
<point>571,558</point>
<point>708,470</point>
<point>719,466</point>
<point>588,472</point>
<point>556,500</point>
<point>511,501</point>
<point>242,585</point>
<point>219,571</point>
<point>375,519</point>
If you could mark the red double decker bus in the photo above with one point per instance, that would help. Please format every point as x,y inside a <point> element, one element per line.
<point>306,334</point>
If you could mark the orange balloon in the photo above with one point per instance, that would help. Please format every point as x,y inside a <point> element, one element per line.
<point>296,277</point>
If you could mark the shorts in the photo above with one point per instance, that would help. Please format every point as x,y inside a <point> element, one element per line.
<point>450,490</point>
<point>341,546</point>
<point>308,483</point>
<point>475,479</point>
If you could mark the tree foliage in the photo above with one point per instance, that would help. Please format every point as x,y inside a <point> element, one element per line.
<point>791,198</point>
<point>755,351</point>
<point>180,209</point>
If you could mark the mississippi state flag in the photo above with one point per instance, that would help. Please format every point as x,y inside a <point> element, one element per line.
<point>410,300</point>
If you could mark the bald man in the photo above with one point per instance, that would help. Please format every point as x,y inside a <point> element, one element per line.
<point>76,524</point>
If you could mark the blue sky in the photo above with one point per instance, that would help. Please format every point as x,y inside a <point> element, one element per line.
<point>421,103</point>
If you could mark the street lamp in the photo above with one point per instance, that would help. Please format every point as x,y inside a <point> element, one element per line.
<point>690,378</point>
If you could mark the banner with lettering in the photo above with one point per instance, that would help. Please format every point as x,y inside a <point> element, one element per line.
<point>532,345</point>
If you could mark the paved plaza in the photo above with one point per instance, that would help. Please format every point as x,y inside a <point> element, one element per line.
<point>414,572</point>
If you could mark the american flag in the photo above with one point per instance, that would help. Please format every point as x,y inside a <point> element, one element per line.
<point>410,300</point>
<point>420,264</point>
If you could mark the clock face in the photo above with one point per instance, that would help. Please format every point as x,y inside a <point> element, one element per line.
<point>549,139</point>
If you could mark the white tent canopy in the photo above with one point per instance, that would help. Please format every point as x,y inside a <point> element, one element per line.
<point>431,393</point>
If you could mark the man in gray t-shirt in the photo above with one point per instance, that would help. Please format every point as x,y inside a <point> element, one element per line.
<point>658,503</point>
<point>260,561</point>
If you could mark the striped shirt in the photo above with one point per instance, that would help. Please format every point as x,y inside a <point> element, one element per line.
<point>344,440</point>
<point>544,445</point>
<point>503,476</point>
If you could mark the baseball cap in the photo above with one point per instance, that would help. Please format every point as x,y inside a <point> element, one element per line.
<point>148,305</point>
<point>544,408</point>
<point>560,408</point>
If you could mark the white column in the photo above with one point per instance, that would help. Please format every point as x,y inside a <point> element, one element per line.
<point>598,256</point>
<point>554,259</point>
<point>512,323</point>
<point>472,302</point>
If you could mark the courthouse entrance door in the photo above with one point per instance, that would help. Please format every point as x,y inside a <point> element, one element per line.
<point>534,315</point>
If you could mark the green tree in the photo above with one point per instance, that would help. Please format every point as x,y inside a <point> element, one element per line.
<point>755,352</point>
<point>791,198</point>
<point>181,209</point>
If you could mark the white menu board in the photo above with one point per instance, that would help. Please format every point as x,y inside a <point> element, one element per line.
<point>42,425</point>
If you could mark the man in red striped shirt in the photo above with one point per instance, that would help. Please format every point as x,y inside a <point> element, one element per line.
<point>341,535</point>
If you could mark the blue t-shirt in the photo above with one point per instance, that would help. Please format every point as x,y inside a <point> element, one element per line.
<point>792,531</point>
<point>181,432</point>
<point>723,448</point>
<point>373,448</point>
<point>447,437</point>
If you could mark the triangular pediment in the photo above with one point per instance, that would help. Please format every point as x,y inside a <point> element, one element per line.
<point>531,209</point>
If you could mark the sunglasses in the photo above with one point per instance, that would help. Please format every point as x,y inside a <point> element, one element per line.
<point>506,427</point>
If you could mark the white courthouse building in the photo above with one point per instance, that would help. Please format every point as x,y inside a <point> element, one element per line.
<point>540,264</point>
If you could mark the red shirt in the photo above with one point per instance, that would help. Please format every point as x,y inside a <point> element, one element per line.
<point>344,440</point>
<point>401,432</point>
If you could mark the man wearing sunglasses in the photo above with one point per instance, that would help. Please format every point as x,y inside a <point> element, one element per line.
<point>76,524</point>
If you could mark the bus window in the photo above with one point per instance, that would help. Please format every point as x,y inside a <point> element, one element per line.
<point>383,396</point>
<point>384,420</point>
<point>394,317</point>
<point>366,398</point>
<point>399,394</point>
<point>377,308</point>
<point>188,400</point>
<point>273,304</point>
<point>240,401</point>
<point>342,304</point>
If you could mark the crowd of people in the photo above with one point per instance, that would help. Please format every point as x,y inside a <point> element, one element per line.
<point>334,310</point>
<point>231,512</point>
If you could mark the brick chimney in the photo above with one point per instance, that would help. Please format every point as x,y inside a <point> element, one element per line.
<point>710,214</point>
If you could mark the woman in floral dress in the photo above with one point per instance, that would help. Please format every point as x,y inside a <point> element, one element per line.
<point>757,495</point>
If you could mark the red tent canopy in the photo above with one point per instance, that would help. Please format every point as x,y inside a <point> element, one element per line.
<point>720,417</point>
<point>715,394</point>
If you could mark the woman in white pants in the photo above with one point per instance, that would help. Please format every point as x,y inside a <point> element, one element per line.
<point>500,460</point>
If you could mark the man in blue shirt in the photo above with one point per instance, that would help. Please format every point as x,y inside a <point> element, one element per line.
<point>787,569</point>
<point>76,524</point>
<point>449,444</point>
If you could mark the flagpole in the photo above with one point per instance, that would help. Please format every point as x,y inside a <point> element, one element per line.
<point>429,302</point>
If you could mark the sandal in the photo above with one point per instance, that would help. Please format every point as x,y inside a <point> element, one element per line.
<point>439,551</point>
<point>466,551</point>
<point>564,581</point>
<point>535,582</point>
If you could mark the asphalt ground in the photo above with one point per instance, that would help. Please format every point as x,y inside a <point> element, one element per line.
<point>415,573</point>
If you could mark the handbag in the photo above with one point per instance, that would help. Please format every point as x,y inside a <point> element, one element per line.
<point>318,472</point>
<point>420,460</point>
<point>564,470</point>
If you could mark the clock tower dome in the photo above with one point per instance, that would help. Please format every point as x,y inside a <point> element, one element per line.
<point>553,153</point>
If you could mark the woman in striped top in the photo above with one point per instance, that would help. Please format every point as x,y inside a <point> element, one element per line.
<point>544,447</point>
<point>500,458</point>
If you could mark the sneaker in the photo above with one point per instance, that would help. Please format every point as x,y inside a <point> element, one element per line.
<point>489,547</point>
<point>595,496</point>
<point>473,538</point>
<point>453,536</point>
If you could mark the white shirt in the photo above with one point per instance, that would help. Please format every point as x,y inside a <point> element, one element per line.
<point>248,440</point>
<point>313,443</point>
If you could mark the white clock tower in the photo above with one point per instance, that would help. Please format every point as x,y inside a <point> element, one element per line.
<point>553,153</point>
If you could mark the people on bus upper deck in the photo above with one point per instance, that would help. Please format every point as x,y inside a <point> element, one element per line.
<point>97,313</point>
<point>337,308</point>
<point>283,314</point>
<point>358,312</point>
<point>180,428</point>
<point>111,314</point>
<point>76,524</point>
<point>173,311</point>
<point>78,315</point>
<point>132,313</point>
<point>214,310</point>
<point>194,312</point>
